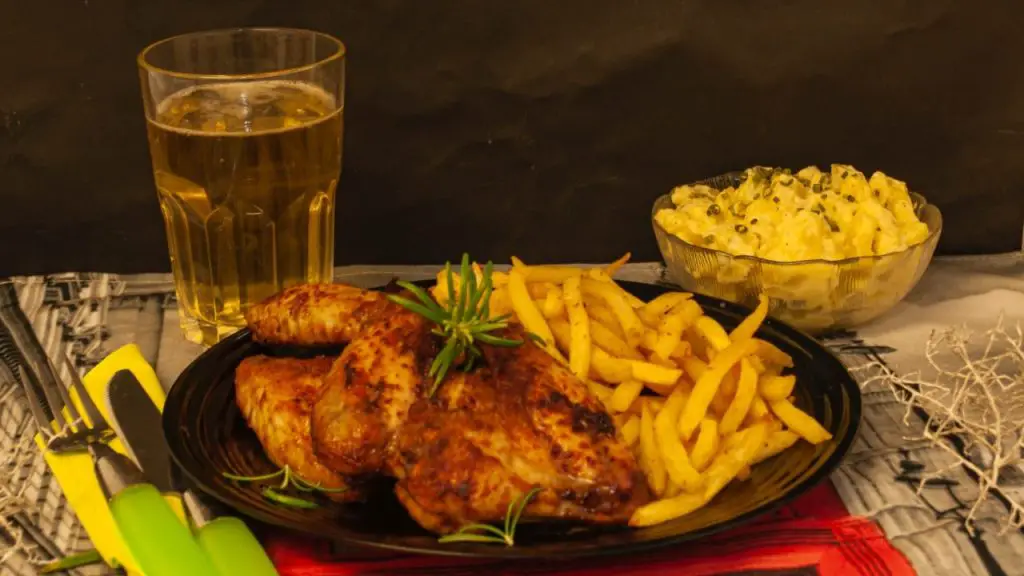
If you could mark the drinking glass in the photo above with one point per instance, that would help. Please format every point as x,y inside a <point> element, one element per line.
<point>245,134</point>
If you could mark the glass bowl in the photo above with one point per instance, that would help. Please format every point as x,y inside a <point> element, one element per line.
<point>817,296</point>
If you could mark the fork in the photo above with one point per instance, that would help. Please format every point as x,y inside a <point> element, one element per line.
<point>74,433</point>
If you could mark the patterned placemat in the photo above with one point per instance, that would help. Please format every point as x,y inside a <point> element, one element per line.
<point>88,315</point>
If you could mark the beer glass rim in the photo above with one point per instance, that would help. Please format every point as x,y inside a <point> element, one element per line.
<point>337,54</point>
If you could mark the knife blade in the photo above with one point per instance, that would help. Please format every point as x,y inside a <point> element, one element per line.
<point>136,420</point>
<point>227,541</point>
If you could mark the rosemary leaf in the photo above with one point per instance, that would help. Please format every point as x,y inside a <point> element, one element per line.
<point>451,287</point>
<point>495,341</point>
<point>416,307</point>
<point>465,273</point>
<point>471,528</point>
<point>275,496</point>
<point>470,538</point>
<point>238,478</point>
<point>519,513</point>
<point>423,297</point>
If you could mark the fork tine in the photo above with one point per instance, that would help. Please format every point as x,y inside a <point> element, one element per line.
<point>34,407</point>
<point>96,419</point>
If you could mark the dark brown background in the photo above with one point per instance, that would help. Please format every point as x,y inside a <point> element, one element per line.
<point>536,127</point>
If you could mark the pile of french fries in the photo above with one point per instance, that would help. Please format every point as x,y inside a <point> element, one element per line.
<point>719,400</point>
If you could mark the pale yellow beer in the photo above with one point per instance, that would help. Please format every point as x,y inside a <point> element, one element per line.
<point>246,172</point>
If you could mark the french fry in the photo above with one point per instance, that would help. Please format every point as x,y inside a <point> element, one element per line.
<point>554,305</point>
<point>758,365</point>
<point>670,331</point>
<point>655,404</point>
<point>726,390</point>
<point>600,390</point>
<point>600,276</point>
<point>775,444</point>
<point>549,273</point>
<point>706,445</point>
<point>772,354</point>
<point>609,368</point>
<point>653,373</point>
<point>613,268</point>
<point>668,509</point>
<point>611,343</point>
<point>650,340</point>
<point>624,395</point>
<point>527,311</point>
<point>579,324</point>
<point>672,490</point>
<point>758,410</point>
<point>652,463</point>
<point>746,388</point>
<point>663,304</point>
<point>708,382</point>
<point>662,389</point>
<point>677,461</point>
<point>601,314</point>
<point>799,421</point>
<point>631,430</point>
<point>693,367</point>
<point>561,332</point>
<point>772,387</point>
<point>539,290</point>
<point>612,296</point>
<point>500,303</point>
<point>729,462</point>
<point>751,323</point>
<point>712,332</point>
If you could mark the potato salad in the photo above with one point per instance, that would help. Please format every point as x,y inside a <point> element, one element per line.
<point>781,216</point>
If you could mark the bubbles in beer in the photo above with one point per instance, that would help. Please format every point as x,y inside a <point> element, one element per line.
<point>245,107</point>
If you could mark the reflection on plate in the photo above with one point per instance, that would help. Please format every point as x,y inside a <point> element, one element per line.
<point>208,435</point>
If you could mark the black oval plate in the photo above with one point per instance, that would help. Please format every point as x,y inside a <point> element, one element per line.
<point>207,436</point>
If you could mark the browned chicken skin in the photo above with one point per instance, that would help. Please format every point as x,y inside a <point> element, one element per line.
<point>488,437</point>
<point>276,398</point>
<point>313,314</point>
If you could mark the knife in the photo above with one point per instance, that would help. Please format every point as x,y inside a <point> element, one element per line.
<point>227,541</point>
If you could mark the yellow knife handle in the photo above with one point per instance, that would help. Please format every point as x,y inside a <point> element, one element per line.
<point>173,500</point>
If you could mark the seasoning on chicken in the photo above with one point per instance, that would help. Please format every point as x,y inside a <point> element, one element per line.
<point>520,421</point>
<point>276,397</point>
<point>313,314</point>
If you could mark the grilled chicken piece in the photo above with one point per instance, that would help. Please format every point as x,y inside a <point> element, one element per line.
<point>484,440</point>
<point>276,397</point>
<point>313,314</point>
<point>369,390</point>
<point>489,437</point>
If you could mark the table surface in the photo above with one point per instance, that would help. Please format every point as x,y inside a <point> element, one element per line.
<point>92,314</point>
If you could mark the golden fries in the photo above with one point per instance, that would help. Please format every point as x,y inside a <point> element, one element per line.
<point>579,323</point>
<point>798,421</point>
<point>612,297</point>
<point>699,404</point>
<point>707,384</point>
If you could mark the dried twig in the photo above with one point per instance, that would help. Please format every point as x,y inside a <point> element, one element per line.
<point>974,392</point>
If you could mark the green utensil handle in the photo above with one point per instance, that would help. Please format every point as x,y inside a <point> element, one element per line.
<point>159,542</point>
<point>234,549</point>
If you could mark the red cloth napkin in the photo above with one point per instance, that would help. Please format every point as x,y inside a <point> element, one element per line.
<point>813,535</point>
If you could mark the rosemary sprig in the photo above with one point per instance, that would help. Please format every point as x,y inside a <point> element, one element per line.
<point>289,479</point>
<point>472,532</point>
<point>463,321</point>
